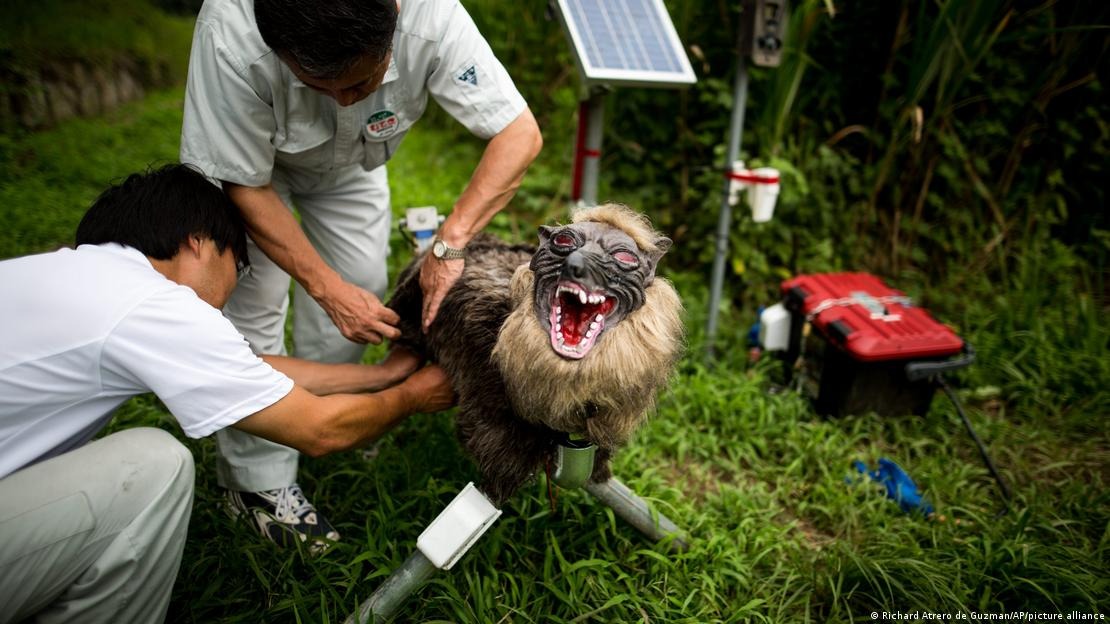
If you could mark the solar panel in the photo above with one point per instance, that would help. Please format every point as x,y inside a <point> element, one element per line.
<point>627,42</point>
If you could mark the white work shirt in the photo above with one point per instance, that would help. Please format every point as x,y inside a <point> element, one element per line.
<point>83,330</point>
<point>245,111</point>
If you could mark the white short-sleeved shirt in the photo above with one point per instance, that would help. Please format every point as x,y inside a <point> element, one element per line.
<point>83,330</point>
<point>245,111</point>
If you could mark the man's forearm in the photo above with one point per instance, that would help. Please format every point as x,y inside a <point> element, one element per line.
<point>277,233</point>
<point>356,420</point>
<point>358,314</point>
<point>495,180</point>
<point>324,379</point>
<point>359,419</point>
<point>318,425</point>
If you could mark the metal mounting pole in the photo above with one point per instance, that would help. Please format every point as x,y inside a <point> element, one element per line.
<point>386,599</point>
<point>735,132</point>
<point>618,497</point>
<point>587,158</point>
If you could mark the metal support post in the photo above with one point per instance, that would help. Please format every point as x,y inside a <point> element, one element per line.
<point>587,159</point>
<point>388,598</point>
<point>618,497</point>
<point>735,132</point>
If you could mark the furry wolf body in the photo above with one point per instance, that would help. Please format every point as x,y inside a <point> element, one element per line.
<point>575,336</point>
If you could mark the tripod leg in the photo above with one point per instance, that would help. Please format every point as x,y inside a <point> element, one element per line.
<point>636,512</point>
<point>1002,487</point>
<point>446,539</point>
<point>387,598</point>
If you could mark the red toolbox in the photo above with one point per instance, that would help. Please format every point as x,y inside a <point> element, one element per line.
<point>866,347</point>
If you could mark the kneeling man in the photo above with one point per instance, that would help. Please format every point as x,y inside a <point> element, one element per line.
<point>93,532</point>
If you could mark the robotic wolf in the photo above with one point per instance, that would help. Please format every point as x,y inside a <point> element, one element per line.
<point>573,337</point>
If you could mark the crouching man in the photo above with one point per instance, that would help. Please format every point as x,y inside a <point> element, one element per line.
<point>94,531</point>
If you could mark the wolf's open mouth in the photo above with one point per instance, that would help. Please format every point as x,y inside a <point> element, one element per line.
<point>577,318</point>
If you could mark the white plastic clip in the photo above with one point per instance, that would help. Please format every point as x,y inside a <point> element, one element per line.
<point>422,221</point>
<point>457,527</point>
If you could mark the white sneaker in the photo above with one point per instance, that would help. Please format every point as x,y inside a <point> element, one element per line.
<point>283,515</point>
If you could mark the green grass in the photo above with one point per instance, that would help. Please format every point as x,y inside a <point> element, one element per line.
<point>754,477</point>
<point>52,177</point>
<point>96,31</point>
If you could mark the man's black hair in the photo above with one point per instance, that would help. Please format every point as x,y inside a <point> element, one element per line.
<point>157,211</point>
<point>326,37</point>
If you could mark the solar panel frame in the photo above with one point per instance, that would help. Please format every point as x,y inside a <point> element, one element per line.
<point>674,69</point>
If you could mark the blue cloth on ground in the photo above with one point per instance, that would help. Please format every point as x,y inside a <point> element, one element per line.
<point>899,486</point>
<point>753,331</point>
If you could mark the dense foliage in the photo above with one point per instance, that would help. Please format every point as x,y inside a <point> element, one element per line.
<point>912,135</point>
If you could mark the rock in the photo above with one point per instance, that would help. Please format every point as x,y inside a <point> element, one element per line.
<point>61,101</point>
<point>107,88</point>
<point>88,96</point>
<point>29,104</point>
<point>59,90</point>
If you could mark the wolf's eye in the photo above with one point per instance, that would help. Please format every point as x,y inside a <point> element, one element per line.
<point>626,257</point>
<point>563,240</point>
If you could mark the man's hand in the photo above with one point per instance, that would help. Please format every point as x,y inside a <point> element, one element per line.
<point>399,364</point>
<point>429,390</point>
<point>495,180</point>
<point>359,315</point>
<point>436,278</point>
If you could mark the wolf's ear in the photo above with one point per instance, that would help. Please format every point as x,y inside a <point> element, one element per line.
<point>662,244</point>
<point>544,233</point>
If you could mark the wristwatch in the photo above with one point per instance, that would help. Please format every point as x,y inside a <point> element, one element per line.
<point>442,251</point>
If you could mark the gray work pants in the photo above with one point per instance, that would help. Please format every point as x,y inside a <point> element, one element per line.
<point>96,534</point>
<point>345,215</point>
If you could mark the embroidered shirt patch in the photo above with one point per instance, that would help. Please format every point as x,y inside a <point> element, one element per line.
<point>469,76</point>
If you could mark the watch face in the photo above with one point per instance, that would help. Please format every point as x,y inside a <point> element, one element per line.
<point>439,248</point>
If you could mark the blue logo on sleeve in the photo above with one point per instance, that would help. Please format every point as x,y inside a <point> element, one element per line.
<point>469,75</point>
